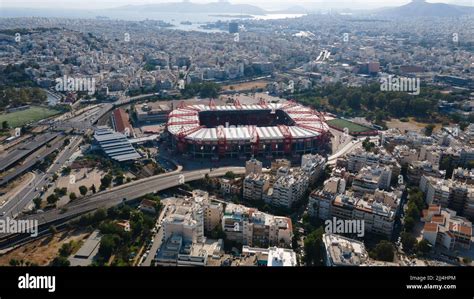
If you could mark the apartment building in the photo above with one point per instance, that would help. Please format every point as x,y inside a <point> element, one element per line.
<point>378,210</point>
<point>213,211</point>
<point>277,164</point>
<point>444,228</point>
<point>463,175</point>
<point>253,166</point>
<point>313,166</point>
<point>342,251</point>
<point>455,195</point>
<point>255,185</point>
<point>272,256</point>
<point>417,169</point>
<point>320,201</point>
<point>369,179</point>
<point>251,227</point>
<point>288,188</point>
<point>360,158</point>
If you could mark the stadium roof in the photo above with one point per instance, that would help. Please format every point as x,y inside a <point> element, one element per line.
<point>307,123</point>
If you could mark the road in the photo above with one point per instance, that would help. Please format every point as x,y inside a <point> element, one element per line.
<point>347,149</point>
<point>127,192</point>
<point>31,160</point>
<point>23,149</point>
<point>22,199</point>
<point>157,240</point>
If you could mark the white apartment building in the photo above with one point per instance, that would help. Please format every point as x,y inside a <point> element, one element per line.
<point>369,179</point>
<point>451,194</point>
<point>320,201</point>
<point>289,189</point>
<point>313,166</point>
<point>444,228</point>
<point>342,251</point>
<point>255,185</point>
<point>275,256</point>
<point>251,227</point>
<point>377,210</point>
<point>213,211</point>
<point>253,166</point>
<point>359,159</point>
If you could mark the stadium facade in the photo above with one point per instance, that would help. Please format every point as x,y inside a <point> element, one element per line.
<point>263,129</point>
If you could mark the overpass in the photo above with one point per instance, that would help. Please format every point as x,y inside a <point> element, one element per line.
<point>112,197</point>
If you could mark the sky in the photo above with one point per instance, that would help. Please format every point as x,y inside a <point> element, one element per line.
<point>266,4</point>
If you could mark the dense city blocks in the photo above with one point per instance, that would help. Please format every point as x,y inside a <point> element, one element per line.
<point>310,135</point>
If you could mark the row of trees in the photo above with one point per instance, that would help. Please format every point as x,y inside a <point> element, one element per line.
<point>373,103</point>
<point>17,97</point>
<point>204,90</point>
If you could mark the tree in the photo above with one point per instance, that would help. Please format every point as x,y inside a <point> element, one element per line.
<point>367,144</point>
<point>37,202</point>
<point>383,251</point>
<point>83,190</point>
<point>429,129</point>
<point>105,181</point>
<point>5,125</point>
<point>60,261</point>
<point>66,170</point>
<point>66,249</point>
<point>53,230</point>
<point>107,245</point>
<point>60,191</point>
<point>409,242</point>
<point>72,196</point>
<point>409,224</point>
<point>312,248</point>
<point>119,179</point>
<point>52,199</point>
<point>14,262</point>
<point>230,175</point>
<point>423,247</point>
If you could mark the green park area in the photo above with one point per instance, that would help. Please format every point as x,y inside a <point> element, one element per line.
<point>30,115</point>
<point>340,124</point>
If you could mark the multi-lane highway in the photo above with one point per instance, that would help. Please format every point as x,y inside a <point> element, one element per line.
<point>112,197</point>
<point>24,149</point>
<point>130,191</point>
<point>22,199</point>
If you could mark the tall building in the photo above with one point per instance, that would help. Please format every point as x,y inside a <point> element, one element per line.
<point>288,188</point>
<point>452,194</point>
<point>369,179</point>
<point>378,210</point>
<point>313,166</point>
<point>320,201</point>
<point>213,211</point>
<point>342,251</point>
<point>255,185</point>
<point>251,227</point>
<point>444,228</point>
<point>253,166</point>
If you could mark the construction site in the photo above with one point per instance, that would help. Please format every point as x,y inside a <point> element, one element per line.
<point>243,130</point>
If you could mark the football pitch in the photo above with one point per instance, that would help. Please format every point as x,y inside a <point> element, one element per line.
<point>353,127</point>
<point>22,117</point>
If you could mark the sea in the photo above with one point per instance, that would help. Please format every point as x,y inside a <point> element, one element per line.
<point>181,21</point>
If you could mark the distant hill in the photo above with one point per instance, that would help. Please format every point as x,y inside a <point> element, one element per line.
<point>421,8</point>
<point>189,7</point>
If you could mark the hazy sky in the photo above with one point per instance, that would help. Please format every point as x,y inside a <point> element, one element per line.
<point>267,4</point>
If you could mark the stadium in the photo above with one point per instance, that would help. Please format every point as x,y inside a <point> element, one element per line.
<point>263,129</point>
